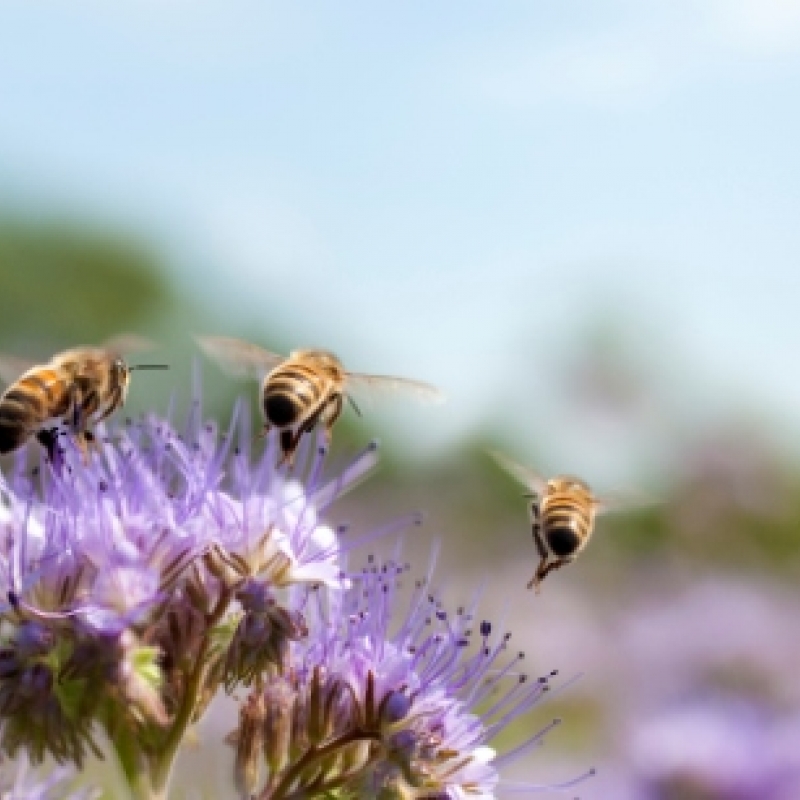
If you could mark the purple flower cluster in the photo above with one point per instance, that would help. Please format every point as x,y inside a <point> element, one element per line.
<point>175,564</point>
<point>720,748</point>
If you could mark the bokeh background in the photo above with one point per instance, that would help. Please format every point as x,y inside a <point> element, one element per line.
<point>579,219</point>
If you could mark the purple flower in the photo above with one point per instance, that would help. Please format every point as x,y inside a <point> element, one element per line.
<point>172,566</point>
<point>395,698</point>
<point>721,749</point>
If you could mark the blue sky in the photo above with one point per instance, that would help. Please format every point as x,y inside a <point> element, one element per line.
<point>450,191</point>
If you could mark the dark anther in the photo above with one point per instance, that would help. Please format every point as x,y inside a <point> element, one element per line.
<point>102,486</point>
<point>486,628</point>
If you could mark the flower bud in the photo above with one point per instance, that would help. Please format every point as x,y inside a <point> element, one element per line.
<point>279,700</point>
<point>249,745</point>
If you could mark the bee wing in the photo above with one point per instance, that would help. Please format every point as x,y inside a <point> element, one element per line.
<point>371,385</point>
<point>525,475</point>
<point>239,358</point>
<point>127,343</point>
<point>623,500</point>
<point>12,368</point>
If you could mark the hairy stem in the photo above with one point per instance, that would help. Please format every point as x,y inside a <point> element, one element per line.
<point>283,790</point>
<point>165,758</point>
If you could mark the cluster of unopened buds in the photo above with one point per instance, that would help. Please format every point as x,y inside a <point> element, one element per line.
<point>177,564</point>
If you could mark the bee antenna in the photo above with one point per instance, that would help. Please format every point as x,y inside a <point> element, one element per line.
<point>353,404</point>
<point>149,366</point>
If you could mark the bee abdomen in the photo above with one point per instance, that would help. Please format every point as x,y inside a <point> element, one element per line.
<point>281,409</point>
<point>565,525</point>
<point>35,398</point>
<point>20,415</point>
<point>288,393</point>
<point>563,540</point>
<point>13,431</point>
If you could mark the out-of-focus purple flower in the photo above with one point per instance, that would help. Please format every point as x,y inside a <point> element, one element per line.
<point>717,749</point>
<point>19,782</point>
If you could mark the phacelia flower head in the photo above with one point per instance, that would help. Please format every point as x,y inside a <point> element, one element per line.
<point>117,568</point>
<point>172,565</point>
<point>390,696</point>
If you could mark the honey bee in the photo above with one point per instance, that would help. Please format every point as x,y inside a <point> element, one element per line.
<point>303,389</point>
<point>563,512</point>
<point>77,389</point>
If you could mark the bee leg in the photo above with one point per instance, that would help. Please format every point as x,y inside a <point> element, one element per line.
<point>536,529</point>
<point>89,443</point>
<point>332,412</point>
<point>353,404</point>
<point>289,441</point>
<point>541,571</point>
<point>48,439</point>
<point>545,569</point>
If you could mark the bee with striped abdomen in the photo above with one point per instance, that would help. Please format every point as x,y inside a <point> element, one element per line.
<point>77,389</point>
<point>303,389</point>
<point>563,511</point>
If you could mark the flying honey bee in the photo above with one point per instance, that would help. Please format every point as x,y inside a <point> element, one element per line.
<point>303,389</point>
<point>77,389</point>
<point>563,512</point>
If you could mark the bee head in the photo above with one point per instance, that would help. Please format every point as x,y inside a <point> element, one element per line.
<point>120,374</point>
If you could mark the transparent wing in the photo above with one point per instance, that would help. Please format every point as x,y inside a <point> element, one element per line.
<point>239,358</point>
<point>524,475</point>
<point>621,500</point>
<point>12,368</point>
<point>371,385</point>
<point>128,343</point>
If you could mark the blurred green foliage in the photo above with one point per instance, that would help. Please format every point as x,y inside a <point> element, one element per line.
<point>60,286</point>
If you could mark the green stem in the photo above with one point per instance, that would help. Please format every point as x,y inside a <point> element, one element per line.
<point>133,764</point>
<point>165,758</point>
<point>142,789</point>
